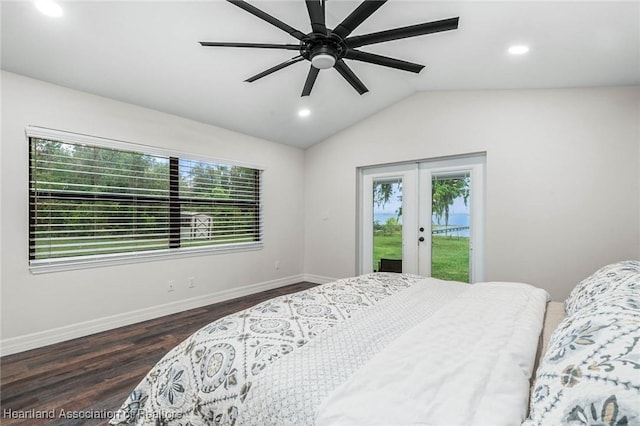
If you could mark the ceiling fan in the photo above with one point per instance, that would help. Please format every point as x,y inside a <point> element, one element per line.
<point>326,48</point>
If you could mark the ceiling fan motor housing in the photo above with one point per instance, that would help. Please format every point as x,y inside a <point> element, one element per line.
<point>322,51</point>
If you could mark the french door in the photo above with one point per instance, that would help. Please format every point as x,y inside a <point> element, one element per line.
<point>425,218</point>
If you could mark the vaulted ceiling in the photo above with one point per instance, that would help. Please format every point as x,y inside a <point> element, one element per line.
<point>147,53</point>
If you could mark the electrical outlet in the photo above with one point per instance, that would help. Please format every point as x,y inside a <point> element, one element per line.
<point>277,265</point>
<point>192,282</point>
<point>171,285</point>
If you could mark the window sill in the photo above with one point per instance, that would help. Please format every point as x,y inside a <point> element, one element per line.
<point>87,262</point>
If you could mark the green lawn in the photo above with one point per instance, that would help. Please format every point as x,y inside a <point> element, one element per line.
<point>450,255</point>
<point>96,246</point>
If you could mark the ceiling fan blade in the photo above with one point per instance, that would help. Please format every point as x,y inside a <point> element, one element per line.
<point>362,12</point>
<point>274,69</point>
<point>311,79</point>
<point>385,61</point>
<point>316,15</point>
<point>256,45</point>
<point>403,32</point>
<point>351,78</point>
<point>266,17</point>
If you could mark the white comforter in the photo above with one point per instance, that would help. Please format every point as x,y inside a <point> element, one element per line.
<point>468,364</point>
<point>379,349</point>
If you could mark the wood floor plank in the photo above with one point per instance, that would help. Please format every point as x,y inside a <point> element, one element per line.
<point>95,374</point>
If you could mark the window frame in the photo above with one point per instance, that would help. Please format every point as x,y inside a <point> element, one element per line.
<point>37,266</point>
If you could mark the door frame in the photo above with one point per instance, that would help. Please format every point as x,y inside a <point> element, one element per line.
<point>408,173</point>
<point>474,166</point>
<point>414,179</point>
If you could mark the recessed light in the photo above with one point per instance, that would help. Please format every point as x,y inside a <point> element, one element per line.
<point>304,112</point>
<point>49,8</point>
<point>519,49</point>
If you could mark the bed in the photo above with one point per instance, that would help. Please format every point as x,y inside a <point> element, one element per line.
<point>378,349</point>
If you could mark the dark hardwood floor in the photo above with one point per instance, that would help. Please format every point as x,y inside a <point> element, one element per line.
<point>94,374</point>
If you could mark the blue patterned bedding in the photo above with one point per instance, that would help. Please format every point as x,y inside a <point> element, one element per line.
<point>590,374</point>
<point>206,379</point>
<point>288,361</point>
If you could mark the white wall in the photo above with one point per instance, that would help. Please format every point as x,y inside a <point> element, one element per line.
<point>562,177</point>
<point>563,196</point>
<point>37,308</point>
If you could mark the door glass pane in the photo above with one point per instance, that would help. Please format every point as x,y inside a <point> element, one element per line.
<point>387,225</point>
<point>450,226</point>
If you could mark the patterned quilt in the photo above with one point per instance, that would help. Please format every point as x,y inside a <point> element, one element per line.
<point>209,378</point>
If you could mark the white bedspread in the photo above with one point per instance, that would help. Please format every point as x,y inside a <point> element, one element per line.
<point>289,392</point>
<point>468,364</point>
<point>379,349</point>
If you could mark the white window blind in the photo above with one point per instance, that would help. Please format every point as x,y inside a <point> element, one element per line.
<point>93,203</point>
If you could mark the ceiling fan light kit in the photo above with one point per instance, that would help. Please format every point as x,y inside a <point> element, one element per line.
<point>323,61</point>
<point>326,48</point>
<point>322,57</point>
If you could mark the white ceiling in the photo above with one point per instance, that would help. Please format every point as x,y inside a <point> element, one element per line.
<point>147,53</point>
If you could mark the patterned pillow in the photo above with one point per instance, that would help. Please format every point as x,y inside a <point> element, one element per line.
<point>590,374</point>
<point>620,277</point>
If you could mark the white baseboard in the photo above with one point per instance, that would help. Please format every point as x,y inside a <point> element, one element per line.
<point>318,279</point>
<point>56,335</point>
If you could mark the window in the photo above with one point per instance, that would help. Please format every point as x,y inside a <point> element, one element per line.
<point>93,200</point>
